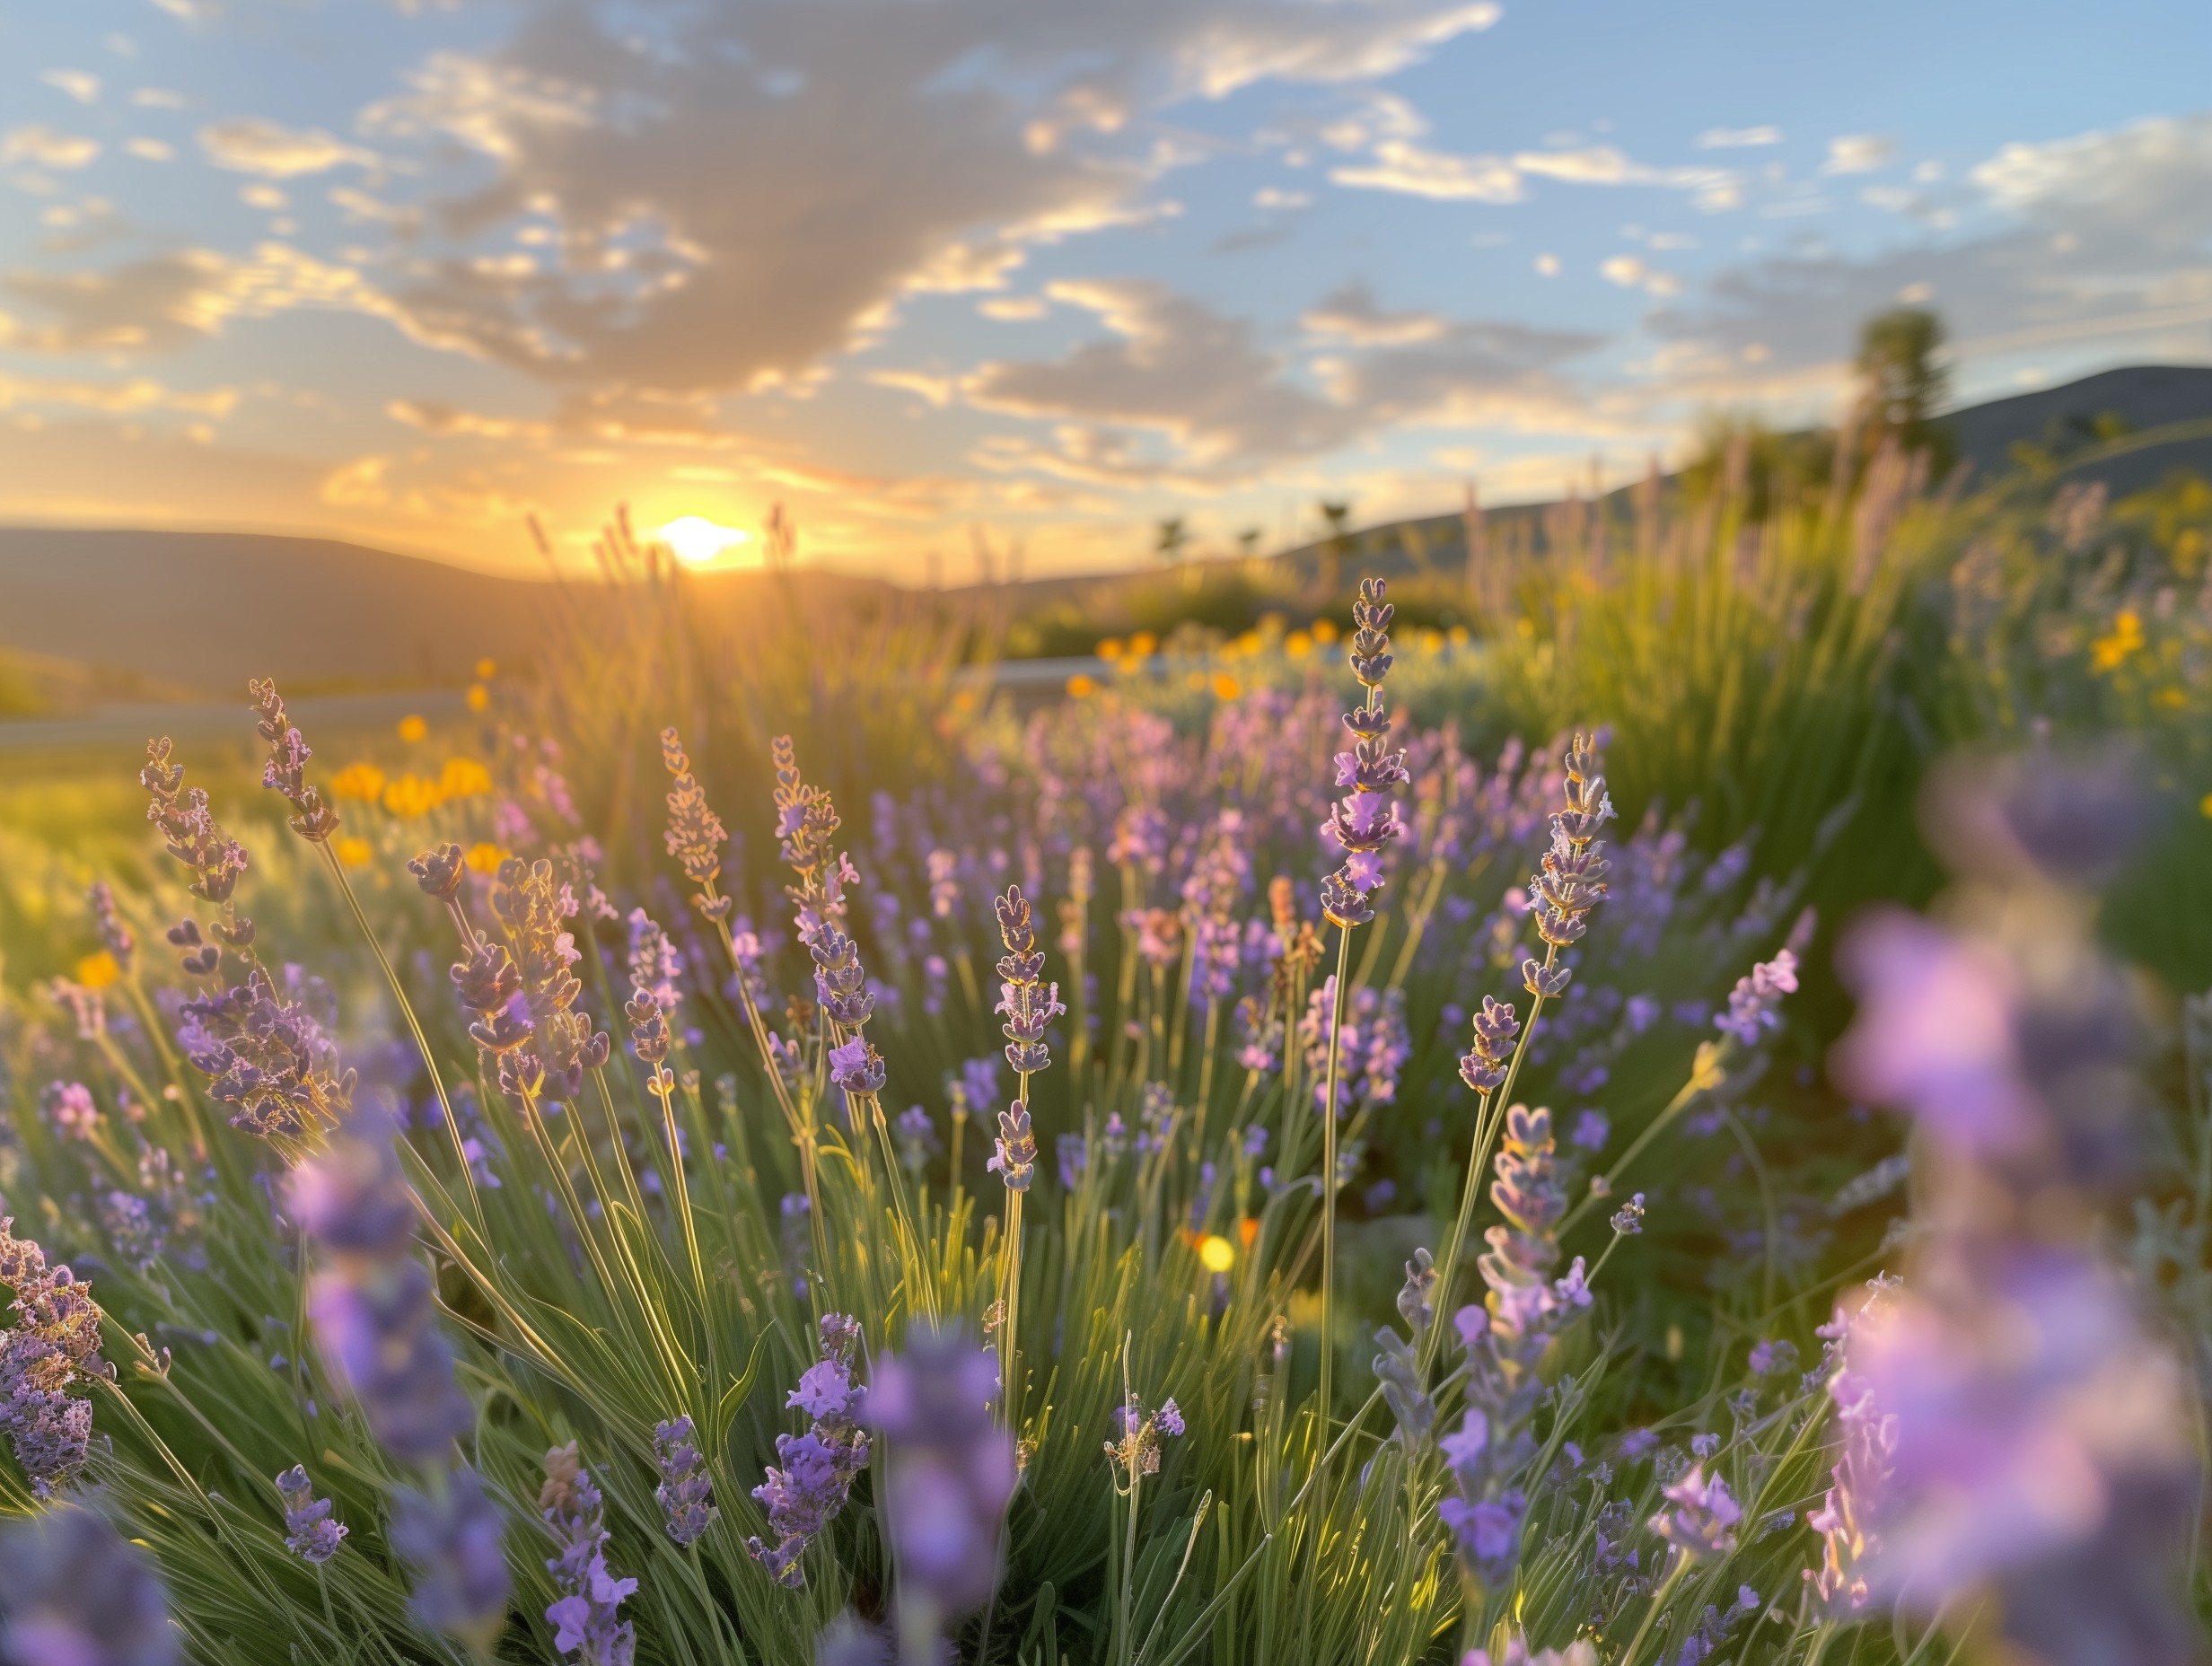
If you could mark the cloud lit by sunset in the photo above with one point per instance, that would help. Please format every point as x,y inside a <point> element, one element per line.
<point>409,275</point>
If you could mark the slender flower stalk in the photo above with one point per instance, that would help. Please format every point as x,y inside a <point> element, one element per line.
<point>1363,823</point>
<point>1030,1006</point>
<point>1569,882</point>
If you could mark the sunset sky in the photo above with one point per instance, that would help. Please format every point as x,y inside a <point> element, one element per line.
<point>1040,271</point>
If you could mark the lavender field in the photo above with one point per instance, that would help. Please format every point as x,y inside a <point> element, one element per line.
<point>1356,1141</point>
<point>1134,833</point>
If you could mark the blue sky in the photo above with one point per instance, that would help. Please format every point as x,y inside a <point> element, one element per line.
<point>932,272</point>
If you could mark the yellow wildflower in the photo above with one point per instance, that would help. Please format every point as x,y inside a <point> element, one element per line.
<point>1141,644</point>
<point>97,971</point>
<point>1325,630</point>
<point>2107,652</point>
<point>1225,686</point>
<point>1081,688</point>
<point>363,780</point>
<point>1216,1254</point>
<point>1109,649</point>
<point>486,858</point>
<point>479,697</point>
<point>354,853</point>
<point>412,728</point>
<point>410,796</point>
<point>485,671</point>
<point>1297,644</point>
<point>464,777</point>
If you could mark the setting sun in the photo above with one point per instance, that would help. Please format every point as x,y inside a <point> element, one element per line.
<point>697,540</point>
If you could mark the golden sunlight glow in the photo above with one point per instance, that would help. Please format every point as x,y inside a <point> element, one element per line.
<point>697,540</point>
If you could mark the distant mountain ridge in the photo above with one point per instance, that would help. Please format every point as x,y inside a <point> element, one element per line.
<point>1989,437</point>
<point>200,611</point>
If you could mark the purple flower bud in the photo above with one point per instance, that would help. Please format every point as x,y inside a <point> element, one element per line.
<point>74,1594</point>
<point>310,1533</point>
<point>1703,1519</point>
<point>585,1615</point>
<point>686,1491</point>
<point>1015,1153</point>
<point>450,1537</point>
<point>856,1067</point>
<point>950,1474</point>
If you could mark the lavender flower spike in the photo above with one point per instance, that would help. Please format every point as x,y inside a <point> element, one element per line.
<point>1365,822</point>
<point>686,1492</point>
<point>1015,1156</point>
<point>951,1477</point>
<point>807,1493</point>
<point>54,1344</point>
<point>1751,1004</point>
<point>74,1594</point>
<point>451,1539</point>
<point>695,835</point>
<point>286,770</point>
<point>309,1532</point>
<point>585,1617</point>
<point>1703,1522</point>
<point>373,1310</point>
<point>1029,1002</point>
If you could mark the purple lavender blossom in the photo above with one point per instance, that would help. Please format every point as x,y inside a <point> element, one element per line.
<point>585,1615</point>
<point>1364,823</point>
<point>950,1477</point>
<point>1628,1219</point>
<point>67,1107</point>
<point>1133,1452</point>
<point>856,1067</point>
<point>1752,1003</point>
<point>695,835</point>
<point>531,906</point>
<point>839,981</point>
<point>53,1344</point>
<point>655,964</point>
<point>1592,1128</point>
<point>450,1537</point>
<point>1072,1152</point>
<point>1936,1033</point>
<point>1703,1519</point>
<point>1014,1152</point>
<point>1570,881</point>
<point>805,1495</point>
<point>686,1492</point>
<point>1860,1481</point>
<point>373,1304</point>
<point>74,1594</point>
<point>286,770</point>
<point>267,1056</point>
<point>309,1532</point>
<point>189,831</point>
<point>114,935</point>
<point>1029,1003</point>
<point>1483,1068</point>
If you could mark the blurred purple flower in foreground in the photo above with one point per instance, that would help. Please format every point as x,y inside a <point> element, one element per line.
<point>73,1593</point>
<point>950,1478</point>
<point>2008,1422</point>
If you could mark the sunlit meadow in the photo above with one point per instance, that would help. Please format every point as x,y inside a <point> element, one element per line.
<point>1647,1107</point>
